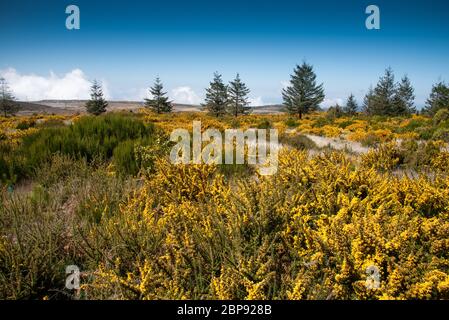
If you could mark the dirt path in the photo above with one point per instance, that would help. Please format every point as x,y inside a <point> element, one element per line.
<point>338,144</point>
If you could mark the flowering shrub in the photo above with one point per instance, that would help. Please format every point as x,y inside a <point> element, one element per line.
<point>386,157</point>
<point>311,231</point>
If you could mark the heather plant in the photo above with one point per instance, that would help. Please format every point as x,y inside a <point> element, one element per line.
<point>88,138</point>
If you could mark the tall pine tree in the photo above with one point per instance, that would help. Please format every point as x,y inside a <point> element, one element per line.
<point>97,104</point>
<point>8,106</point>
<point>384,95</point>
<point>238,97</point>
<point>438,99</point>
<point>303,95</point>
<point>351,106</point>
<point>216,96</point>
<point>404,98</point>
<point>159,102</point>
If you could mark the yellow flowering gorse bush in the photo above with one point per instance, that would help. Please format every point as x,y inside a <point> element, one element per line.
<point>309,232</point>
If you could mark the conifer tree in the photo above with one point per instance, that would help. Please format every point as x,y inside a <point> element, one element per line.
<point>404,98</point>
<point>216,96</point>
<point>303,95</point>
<point>384,95</point>
<point>351,106</point>
<point>159,102</point>
<point>438,99</point>
<point>368,102</point>
<point>238,97</point>
<point>8,106</point>
<point>97,104</point>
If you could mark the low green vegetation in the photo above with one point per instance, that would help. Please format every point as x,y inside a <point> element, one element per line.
<point>109,137</point>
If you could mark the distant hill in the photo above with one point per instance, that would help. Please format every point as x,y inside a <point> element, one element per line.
<point>28,108</point>
<point>269,109</point>
<point>77,106</point>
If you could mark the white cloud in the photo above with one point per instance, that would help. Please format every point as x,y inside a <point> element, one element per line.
<point>327,103</point>
<point>31,87</point>
<point>185,95</point>
<point>256,102</point>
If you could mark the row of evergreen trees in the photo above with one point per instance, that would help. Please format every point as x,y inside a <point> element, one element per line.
<point>159,102</point>
<point>220,98</point>
<point>304,95</point>
<point>393,99</point>
<point>231,98</point>
<point>301,96</point>
<point>389,98</point>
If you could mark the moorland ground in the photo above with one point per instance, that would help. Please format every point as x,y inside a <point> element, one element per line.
<point>351,194</point>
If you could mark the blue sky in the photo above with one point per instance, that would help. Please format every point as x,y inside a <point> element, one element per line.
<point>126,44</point>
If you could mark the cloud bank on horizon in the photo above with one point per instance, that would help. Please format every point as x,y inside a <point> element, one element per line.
<point>73,85</point>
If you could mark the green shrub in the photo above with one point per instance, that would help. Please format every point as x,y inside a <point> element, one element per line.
<point>234,123</point>
<point>425,133</point>
<point>35,262</point>
<point>413,125</point>
<point>264,124</point>
<point>321,122</point>
<point>44,231</point>
<point>441,134</point>
<point>25,124</point>
<point>377,119</point>
<point>51,123</point>
<point>417,155</point>
<point>11,164</point>
<point>89,138</point>
<point>345,124</point>
<point>124,158</point>
<point>440,116</point>
<point>299,142</point>
<point>60,168</point>
<point>292,123</point>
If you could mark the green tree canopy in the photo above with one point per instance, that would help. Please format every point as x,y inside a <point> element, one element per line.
<point>404,99</point>
<point>216,96</point>
<point>384,94</point>
<point>238,97</point>
<point>303,95</point>
<point>351,106</point>
<point>97,104</point>
<point>389,98</point>
<point>438,99</point>
<point>159,102</point>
